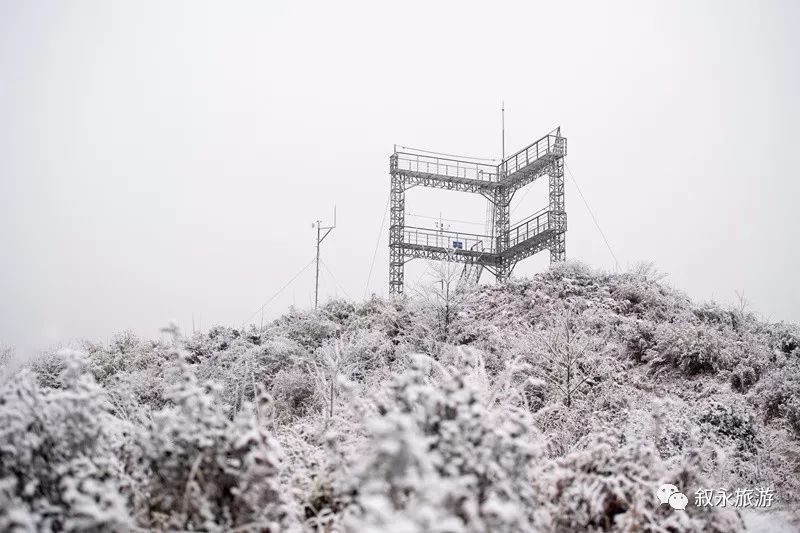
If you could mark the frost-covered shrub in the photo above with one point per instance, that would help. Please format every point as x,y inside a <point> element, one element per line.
<point>57,468</point>
<point>569,269</point>
<point>608,485</point>
<point>295,393</point>
<point>789,343</point>
<point>492,341</point>
<point>666,422</point>
<point>648,271</point>
<point>694,349</point>
<point>243,367</point>
<point>715,316</point>
<point>339,310</point>
<point>278,353</point>
<point>734,421</point>
<point>124,342</point>
<point>639,338</point>
<point>371,350</point>
<point>534,392</point>
<point>202,470</point>
<point>640,299</point>
<point>121,354</point>
<point>743,377</point>
<point>222,337</point>
<point>778,394</point>
<point>792,409</point>
<point>49,368</point>
<point>782,339</point>
<point>601,487</point>
<point>134,377</point>
<point>561,428</point>
<point>440,460</point>
<point>309,329</point>
<point>392,317</point>
<point>6,355</point>
<point>645,297</point>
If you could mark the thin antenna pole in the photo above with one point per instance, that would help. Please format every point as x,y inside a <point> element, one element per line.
<point>503,114</point>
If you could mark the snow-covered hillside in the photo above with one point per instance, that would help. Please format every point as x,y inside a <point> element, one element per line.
<point>557,403</point>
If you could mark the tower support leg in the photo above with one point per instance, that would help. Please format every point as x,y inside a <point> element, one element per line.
<point>502,222</point>
<point>558,215</point>
<point>397,215</point>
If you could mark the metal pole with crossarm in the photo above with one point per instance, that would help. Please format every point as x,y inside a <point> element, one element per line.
<point>321,237</point>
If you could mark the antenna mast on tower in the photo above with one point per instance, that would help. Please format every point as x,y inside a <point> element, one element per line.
<point>503,114</point>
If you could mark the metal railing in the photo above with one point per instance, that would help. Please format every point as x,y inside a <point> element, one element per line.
<point>529,228</point>
<point>552,143</point>
<point>454,240</point>
<point>428,163</point>
<point>443,166</point>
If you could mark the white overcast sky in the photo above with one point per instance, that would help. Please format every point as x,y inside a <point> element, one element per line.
<point>160,160</point>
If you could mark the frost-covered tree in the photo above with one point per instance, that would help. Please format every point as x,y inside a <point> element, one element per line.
<point>446,294</point>
<point>562,357</point>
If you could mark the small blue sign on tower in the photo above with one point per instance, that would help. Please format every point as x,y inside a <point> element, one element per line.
<point>458,244</point>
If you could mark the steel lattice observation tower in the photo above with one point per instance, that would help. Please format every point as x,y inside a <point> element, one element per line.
<point>500,251</point>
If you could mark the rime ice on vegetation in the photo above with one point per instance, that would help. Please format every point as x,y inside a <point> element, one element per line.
<point>557,403</point>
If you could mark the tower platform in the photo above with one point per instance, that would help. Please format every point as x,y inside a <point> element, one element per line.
<point>500,251</point>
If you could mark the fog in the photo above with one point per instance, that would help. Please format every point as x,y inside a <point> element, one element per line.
<point>165,161</point>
